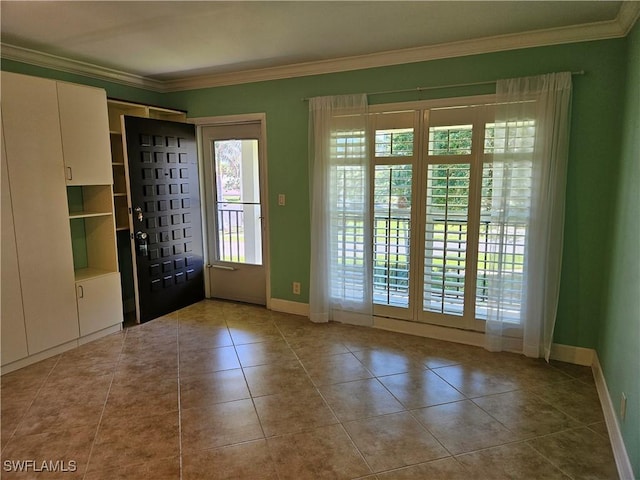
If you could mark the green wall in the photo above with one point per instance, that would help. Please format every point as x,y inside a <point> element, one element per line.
<point>594,155</point>
<point>618,345</point>
<point>593,163</point>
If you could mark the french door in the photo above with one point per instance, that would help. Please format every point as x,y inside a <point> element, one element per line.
<point>434,241</point>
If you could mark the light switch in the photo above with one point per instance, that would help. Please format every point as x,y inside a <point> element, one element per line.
<point>281,199</point>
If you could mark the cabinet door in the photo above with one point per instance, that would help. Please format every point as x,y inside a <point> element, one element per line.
<point>99,303</point>
<point>14,338</point>
<point>40,211</point>
<point>84,124</point>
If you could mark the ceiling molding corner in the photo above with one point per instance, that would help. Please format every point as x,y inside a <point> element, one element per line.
<point>46,60</point>
<point>628,15</point>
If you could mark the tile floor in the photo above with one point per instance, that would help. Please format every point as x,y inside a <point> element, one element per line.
<point>222,390</point>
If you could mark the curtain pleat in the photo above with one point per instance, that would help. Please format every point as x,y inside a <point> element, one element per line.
<point>339,166</point>
<point>534,116</point>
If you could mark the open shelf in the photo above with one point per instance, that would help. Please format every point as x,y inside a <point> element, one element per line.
<point>87,273</point>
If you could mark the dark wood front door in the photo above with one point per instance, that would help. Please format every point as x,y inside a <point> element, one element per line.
<point>167,228</point>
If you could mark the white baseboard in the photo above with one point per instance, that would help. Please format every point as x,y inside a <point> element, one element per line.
<point>31,359</point>
<point>430,331</point>
<point>102,333</point>
<point>287,306</point>
<point>611,419</point>
<point>570,354</point>
<point>38,357</point>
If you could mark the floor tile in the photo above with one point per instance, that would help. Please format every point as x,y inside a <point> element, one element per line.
<point>228,390</point>
<point>52,417</point>
<point>514,461</point>
<point>238,462</point>
<point>580,453</point>
<point>323,453</point>
<point>69,447</point>
<point>393,441</point>
<point>271,379</point>
<point>388,362</point>
<point>142,398</point>
<point>525,413</point>
<point>575,398</point>
<point>463,426</point>
<point>133,368</point>
<point>162,469</point>
<point>264,353</point>
<point>244,334</point>
<point>340,368</point>
<point>420,389</point>
<point>194,362</point>
<point>203,336</point>
<point>127,440</point>
<point>219,425</point>
<point>476,381</point>
<point>444,469</point>
<point>211,388</point>
<point>293,411</point>
<point>359,399</point>
<point>310,348</point>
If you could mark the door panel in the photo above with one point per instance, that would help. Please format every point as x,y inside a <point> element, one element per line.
<point>165,216</point>
<point>233,159</point>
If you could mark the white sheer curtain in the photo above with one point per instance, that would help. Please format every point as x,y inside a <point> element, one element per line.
<point>527,213</point>
<point>341,280</point>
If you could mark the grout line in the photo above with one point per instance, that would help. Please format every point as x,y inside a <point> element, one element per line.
<point>104,406</point>
<point>180,460</point>
<point>33,399</point>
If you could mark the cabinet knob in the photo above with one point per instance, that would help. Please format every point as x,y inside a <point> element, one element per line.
<point>69,173</point>
<point>80,291</point>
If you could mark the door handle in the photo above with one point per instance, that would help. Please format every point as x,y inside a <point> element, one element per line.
<point>142,243</point>
<point>222,267</point>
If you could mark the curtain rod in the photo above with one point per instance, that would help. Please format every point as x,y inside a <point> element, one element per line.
<point>436,87</point>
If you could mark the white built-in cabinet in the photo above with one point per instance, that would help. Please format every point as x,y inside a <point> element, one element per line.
<point>14,338</point>
<point>60,280</point>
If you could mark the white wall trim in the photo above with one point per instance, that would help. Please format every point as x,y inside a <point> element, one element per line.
<point>619,27</point>
<point>57,350</point>
<point>41,59</point>
<point>570,354</point>
<point>287,306</point>
<point>623,463</point>
<point>456,335</point>
<point>555,36</point>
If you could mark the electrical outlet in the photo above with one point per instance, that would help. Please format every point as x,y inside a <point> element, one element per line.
<point>296,288</point>
<point>623,406</point>
<point>282,200</point>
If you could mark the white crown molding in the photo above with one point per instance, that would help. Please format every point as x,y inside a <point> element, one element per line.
<point>628,15</point>
<point>41,59</point>
<point>562,35</point>
<point>620,27</point>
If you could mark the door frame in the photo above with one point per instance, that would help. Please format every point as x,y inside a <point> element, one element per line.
<point>207,203</point>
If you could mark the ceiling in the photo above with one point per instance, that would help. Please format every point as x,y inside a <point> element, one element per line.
<point>169,42</point>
